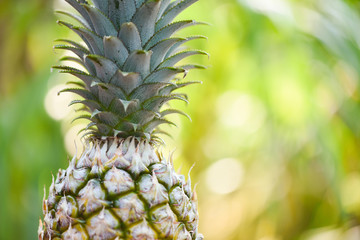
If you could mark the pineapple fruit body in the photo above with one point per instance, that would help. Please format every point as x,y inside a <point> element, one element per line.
<point>130,68</point>
<point>120,189</point>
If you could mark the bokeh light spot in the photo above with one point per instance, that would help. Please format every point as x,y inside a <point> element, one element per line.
<point>241,111</point>
<point>325,233</point>
<point>224,176</point>
<point>57,105</point>
<point>351,198</point>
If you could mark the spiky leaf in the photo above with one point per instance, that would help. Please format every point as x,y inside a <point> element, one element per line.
<point>129,55</point>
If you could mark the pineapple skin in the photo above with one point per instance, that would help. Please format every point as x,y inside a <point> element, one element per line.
<point>120,189</point>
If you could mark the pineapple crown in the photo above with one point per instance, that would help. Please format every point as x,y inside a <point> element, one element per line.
<point>131,61</point>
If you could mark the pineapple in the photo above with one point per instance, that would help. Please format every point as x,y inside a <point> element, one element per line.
<point>121,187</point>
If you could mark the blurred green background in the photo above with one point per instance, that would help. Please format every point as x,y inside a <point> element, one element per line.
<point>275,133</point>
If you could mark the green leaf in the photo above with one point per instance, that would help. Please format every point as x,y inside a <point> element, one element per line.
<point>171,5</point>
<point>67,69</point>
<point>117,107</point>
<point>122,107</point>
<point>75,44</point>
<point>105,97</point>
<point>72,59</point>
<point>146,90</point>
<point>169,89</point>
<point>91,104</point>
<point>192,66</point>
<point>93,41</point>
<point>115,50</point>
<point>138,61</point>
<point>104,129</point>
<point>81,92</point>
<point>107,118</point>
<point>126,126</point>
<point>156,122</point>
<point>167,31</point>
<point>163,6</point>
<point>126,81</point>
<point>78,18</point>
<point>79,52</point>
<point>85,116</point>
<point>127,10</point>
<point>175,47</point>
<point>172,111</point>
<point>103,26</point>
<point>130,36</point>
<point>142,116</point>
<point>78,7</point>
<point>129,106</point>
<point>163,75</point>
<point>155,103</point>
<point>145,18</point>
<point>78,84</point>
<point>160,50</point>
<point>170,14</point>
<point>113,90</point>
<point>138,3</point>
<point>89,126</point>
<point>90,66</point>
<point>158,131</point>
<point>114,13</point>
<point>102,5</point>
<point>105,68</point>
<point>86,78</point>
<point>171,61</point>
